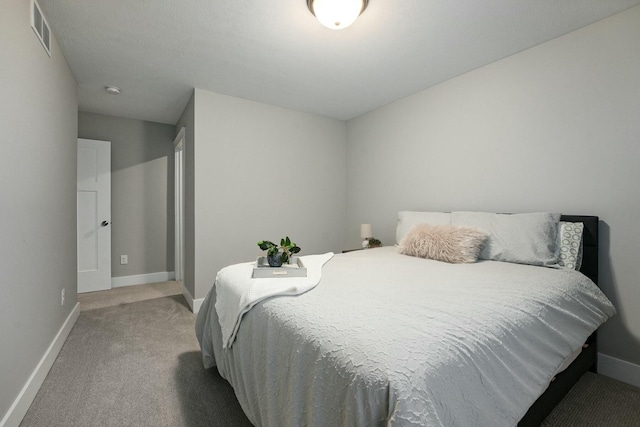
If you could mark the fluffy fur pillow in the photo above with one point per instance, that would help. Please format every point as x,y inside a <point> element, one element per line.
<point>449,243</point>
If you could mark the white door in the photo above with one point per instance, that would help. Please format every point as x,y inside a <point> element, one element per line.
<point>94,215</point>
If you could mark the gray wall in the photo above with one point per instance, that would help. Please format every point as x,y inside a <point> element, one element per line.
<point>38,118</point>
<point>141,191</point>
<point>553,128</point>
<point>263,172</point>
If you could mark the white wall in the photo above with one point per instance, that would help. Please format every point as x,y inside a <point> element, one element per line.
<point>38,118</point>
<point>141,191</point>
<point>553,128</point>
<point>263,172</point>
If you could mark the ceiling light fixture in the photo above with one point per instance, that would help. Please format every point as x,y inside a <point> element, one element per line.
<point>112,90</point>
<point>337,14</point>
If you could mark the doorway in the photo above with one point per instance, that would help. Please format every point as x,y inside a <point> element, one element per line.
<point>179,144</point>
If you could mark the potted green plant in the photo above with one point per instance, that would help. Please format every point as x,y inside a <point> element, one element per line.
<point>374,243</point>
<point>279,254</point>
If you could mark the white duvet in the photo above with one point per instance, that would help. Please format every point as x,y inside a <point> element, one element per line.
<point>237,292</point>
<point>390,340</point>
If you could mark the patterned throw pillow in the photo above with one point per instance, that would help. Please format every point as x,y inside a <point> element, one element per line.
<point>570,244</point>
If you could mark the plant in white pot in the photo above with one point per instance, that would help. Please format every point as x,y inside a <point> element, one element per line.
<point>279,254</point>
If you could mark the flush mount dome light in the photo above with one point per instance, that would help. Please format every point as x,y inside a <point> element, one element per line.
<point>337,14</point>
<point>112,90</point>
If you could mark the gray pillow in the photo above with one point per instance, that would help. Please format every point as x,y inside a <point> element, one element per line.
<point>529,238</point>
<point>444,242</point>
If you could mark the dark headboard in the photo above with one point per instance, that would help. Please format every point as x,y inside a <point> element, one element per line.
<point>590,243</point>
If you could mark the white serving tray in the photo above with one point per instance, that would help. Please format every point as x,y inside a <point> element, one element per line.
<point>262,270</point>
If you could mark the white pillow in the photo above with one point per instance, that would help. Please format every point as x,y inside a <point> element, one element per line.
<point>407,219</point>
<point>528,238</point>
<point>570,244</point>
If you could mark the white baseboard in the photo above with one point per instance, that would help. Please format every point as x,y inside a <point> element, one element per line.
<point>194,304</point>
<point>20,406</point>
<point>619,369</point>
<point>142,279</point>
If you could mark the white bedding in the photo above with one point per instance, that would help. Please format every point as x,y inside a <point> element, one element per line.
<point>391,340</point>
<point>237,291</point>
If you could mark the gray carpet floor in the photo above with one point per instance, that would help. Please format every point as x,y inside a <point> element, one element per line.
<point>139,364</point>
<point>136,364</point>
<point>127,294</point>
<point>597,401</point>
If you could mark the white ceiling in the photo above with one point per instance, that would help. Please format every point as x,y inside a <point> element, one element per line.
<point>274,51</point>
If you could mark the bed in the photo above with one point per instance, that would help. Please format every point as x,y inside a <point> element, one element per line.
<point>386,339</point>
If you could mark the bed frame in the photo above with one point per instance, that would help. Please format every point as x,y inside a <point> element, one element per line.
<point>588,358</point>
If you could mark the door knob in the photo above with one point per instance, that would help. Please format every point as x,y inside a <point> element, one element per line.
<point>104,223</point>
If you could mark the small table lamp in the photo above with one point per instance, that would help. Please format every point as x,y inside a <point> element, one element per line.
<point>366,231</point>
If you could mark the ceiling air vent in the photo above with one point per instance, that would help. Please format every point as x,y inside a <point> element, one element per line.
<point>40,26</point>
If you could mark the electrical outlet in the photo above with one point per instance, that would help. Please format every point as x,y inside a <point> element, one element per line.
<point>62,297</point>
<point>124,259</point>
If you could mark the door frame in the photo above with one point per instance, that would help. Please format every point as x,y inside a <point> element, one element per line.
<point>179,148</point>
